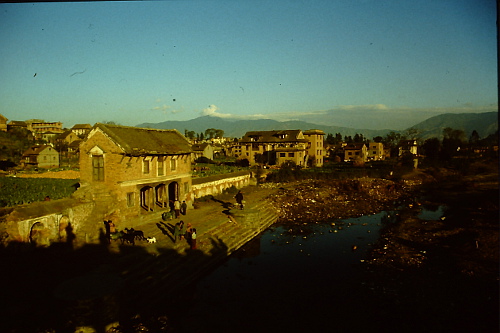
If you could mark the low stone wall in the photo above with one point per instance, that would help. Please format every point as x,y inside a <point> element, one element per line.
<point>215,185</point>
<point>68,220</point>
<point>57,221</point>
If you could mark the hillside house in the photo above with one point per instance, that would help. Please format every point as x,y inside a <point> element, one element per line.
<point>315,147</point>
<point>81,129</point>
<point>202,150</point>
<point>43,130</point>
<point>40,156</point>
<point>67,137</point>
<point>3,123</point>
<point>134,171</point>
<point>355,152</point>
<point>274,147</point>
<point>13,124</point>
<point>408,146</point>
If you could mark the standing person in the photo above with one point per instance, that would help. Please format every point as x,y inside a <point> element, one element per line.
<point>184,207</point>
<point>177,208</point>
<point>182,231</point>
<point>108,232</point>
<point>177,231</point>
<point>189,230</point>
<point>112,227</point>
<point>193,239</point>
<point>239,199</point>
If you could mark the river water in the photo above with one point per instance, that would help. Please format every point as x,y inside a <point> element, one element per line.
<point>306,279</point>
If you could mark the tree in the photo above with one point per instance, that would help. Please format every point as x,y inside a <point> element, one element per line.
<point>474,138</point>
<point>219,134</point>
<point>189,134</point>
<point>432,148</point>
<point>453,140</point>
<point>330,139</point>
<point>210,133</point>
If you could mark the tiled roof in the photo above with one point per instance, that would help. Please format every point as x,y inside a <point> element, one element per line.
<point>36,150</point>
<point>199,146</point>
<point>273,136</point>
<point>314,131</point>
<point>17,123</point>
<point>137,141</point>
<point>82,126</point>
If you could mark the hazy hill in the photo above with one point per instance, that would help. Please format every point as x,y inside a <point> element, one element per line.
<point>237,128</point>
<point>484,123</point>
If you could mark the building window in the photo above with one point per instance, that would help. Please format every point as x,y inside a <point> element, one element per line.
<point>173,164</point>
<point>282,154</point>
<point>161,166</point>
<point>98,168</point>
<point>145,166</point>
<point>291,154</point>
<point>130,199</point>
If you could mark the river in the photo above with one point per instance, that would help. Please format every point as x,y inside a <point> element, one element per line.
<point>292,280</point>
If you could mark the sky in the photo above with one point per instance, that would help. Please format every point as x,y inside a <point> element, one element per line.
<point>354,63</point>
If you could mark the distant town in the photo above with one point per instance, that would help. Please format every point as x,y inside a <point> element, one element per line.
<point>47,145</point>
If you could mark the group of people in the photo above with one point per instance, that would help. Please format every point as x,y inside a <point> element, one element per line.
<point>178,208</point>
<point>187,233</point>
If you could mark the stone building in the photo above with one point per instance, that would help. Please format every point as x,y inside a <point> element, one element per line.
<point>134,172</point>
<point>203,150</point>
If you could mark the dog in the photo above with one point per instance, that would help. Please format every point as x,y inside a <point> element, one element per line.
<point>138,234</point>
<point>151,240</point>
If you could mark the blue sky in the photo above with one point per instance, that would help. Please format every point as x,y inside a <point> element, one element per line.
<point>332,62</point>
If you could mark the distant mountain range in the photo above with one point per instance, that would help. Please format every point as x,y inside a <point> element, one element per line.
<point>484,123</point>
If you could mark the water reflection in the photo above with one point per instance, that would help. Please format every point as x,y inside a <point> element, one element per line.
<point>294,275</point>
<point>300,277</point>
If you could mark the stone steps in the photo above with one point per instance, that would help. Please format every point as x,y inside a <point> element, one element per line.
<point>175,269</point>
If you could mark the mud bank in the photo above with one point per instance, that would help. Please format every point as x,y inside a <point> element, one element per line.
<point>426,273</point>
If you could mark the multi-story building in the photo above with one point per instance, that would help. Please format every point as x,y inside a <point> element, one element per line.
<point>136,171</point>
<point>315,147</point>
<point>40,127</point>
<point>274,147</point>
<point>375,151</point>
<point>355,152</point>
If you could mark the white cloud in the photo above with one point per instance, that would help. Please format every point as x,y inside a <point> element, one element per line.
<point>161,108</point>
<point>363,107</point>
<point>212,111</point>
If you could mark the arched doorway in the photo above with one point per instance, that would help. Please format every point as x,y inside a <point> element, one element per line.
<point>161,195</point>
<point>173,191</point>
<point>147,198</point>
<point>37,233</point>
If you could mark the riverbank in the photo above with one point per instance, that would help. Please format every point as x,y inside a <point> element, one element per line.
<point>419,270</point>
<point>441,272</point>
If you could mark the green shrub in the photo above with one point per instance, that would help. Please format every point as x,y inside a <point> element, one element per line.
<point>17,191</point>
